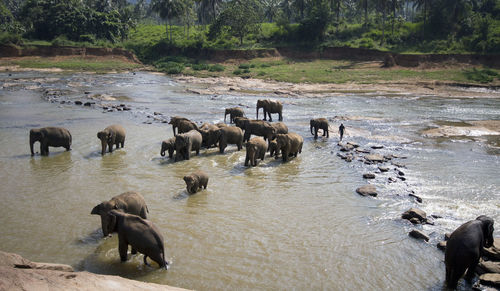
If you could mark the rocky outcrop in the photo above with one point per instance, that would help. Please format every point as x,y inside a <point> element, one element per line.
<point>490,279</point>
<point>18,273</point>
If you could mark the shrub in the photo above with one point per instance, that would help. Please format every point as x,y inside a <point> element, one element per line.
<point>481,76</point>
<point>170,67</point>
<point>216,68</point>
<point>62,40</point>
<point>90,38</point>
<point>200,67</point>
<point>10,38</point>
<point>244,66</point>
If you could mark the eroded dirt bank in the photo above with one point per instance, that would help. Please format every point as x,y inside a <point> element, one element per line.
<point>18,273</point>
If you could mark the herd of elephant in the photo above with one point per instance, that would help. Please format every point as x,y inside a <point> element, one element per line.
<point>126,213</point>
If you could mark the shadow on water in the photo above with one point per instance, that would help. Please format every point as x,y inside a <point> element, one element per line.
<point>106,260</point>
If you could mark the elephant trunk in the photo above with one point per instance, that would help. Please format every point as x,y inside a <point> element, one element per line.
<point>103,146</point>
<point>312,129</point>
<point>32,141</point>
<point>225,114</point>
<point>163,148</point>
<point>257,112</point>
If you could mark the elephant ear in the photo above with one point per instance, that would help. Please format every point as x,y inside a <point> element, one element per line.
<point>96,209</point>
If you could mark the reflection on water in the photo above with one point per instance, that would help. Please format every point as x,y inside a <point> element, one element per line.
<point>297,225</point>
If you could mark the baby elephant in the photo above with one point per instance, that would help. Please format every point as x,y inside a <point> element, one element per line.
<point>195,181</point>
<point>141,234</point>
<point>168,145</point>
<point>256,149</point>
<point>111,135</point>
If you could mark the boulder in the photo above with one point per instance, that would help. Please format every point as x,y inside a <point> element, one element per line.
<point>353,144</point>
<point>494,252</point>
<point>488,267</point>
<point>383,168</point>
<point>415,233</point>
<point>400,173</point>
<point>78,102</point>
<point>441,245</point>
<point>367,190</point>
<point>361,150</point>
<point>374,158</point>
<point>377,146</point>
<point>369,176</point>
<point>490,279</point>
<point>415,213</point>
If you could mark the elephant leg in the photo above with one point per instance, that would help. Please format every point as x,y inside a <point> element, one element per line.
<point>122,248</point>
<point>327,133</point>
<point>270,118</point>
<point>471,269</point>
<point>158,258</point>
<point>134,251</point>
<point>455,273</point>
<point>110,147</point>
<point>198,151</point>
<point>247,159</point>
<point>280,116</point>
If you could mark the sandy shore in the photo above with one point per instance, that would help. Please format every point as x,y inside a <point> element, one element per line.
<point>237,85</point>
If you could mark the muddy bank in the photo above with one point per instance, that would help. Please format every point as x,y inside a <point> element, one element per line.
<point>330,53</point>
<point>51,51</point>
<point>19,273</point>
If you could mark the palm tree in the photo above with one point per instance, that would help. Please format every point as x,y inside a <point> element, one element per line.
<point>425,4</point>
<point>167,9</point>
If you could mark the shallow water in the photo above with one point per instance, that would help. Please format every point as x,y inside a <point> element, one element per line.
<point>298,225</point>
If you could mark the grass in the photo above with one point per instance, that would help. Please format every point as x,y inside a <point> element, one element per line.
<point>88,64</point>
<point>333,71</point>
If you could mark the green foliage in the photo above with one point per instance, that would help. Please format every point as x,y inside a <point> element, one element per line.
<point>239,19</point>
<point>10,38</point>
<point>48,19</point>
<point>170,67</point>
<point>481,75</point>
<point>200,67</point>
<point>216,68</point>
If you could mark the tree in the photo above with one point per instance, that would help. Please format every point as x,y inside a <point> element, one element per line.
<point>168,10</point>
<point>240,17</point>
<point>313,26</point>
<point>271,8</point>
<point>425,5</point>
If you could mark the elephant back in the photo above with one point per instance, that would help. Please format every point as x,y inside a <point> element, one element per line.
<point>195,138</point>
<point>231,134</point>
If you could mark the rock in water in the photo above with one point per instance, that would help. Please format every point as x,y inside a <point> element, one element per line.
<point>369,176</point>
<point>490,279</point>
<point>415,213</point>
<point>494,252</point>
<point>485,267</point>
<point>375,158</point>
<point>419,235</point>
<point>367,190</point>
<point>441,245</point>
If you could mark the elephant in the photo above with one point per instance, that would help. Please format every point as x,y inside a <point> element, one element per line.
<point>233,113</point>
<point>270,106</point>
<point>210,134</point>
<point>273,148</point>
<point>464,248</point>
<point>256,149</point>
<point>220,125</point>
<point>290,144</point>
<point>187,142</point>
<point>168,145</point>
<point>111,135</point>
<point>129,202</point>
<point>259,128</point>
<point>240,122</point>
<point>319,123</point>
<point>50,136</point>
<point>196,181</point>
<point>141,234</point>
<point>185,126</point>
<point>174,120</point>
<point>230,135</point>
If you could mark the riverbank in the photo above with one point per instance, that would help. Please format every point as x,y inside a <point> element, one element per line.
<point>286,77</point>
<point>18,273</point>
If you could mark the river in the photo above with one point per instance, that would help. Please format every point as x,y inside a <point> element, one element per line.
<point>298,225</point>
